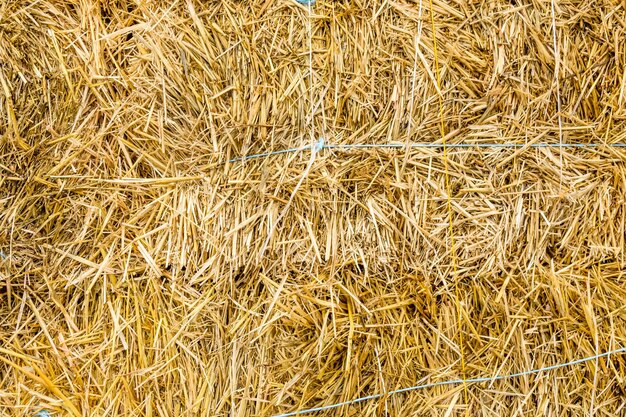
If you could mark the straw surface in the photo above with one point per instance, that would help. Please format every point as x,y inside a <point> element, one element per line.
<point>142,274</point>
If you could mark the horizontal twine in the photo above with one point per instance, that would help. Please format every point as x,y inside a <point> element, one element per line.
<point>321,145</point>
<point>454,382</point>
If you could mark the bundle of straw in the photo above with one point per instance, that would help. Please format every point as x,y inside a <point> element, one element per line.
<point>148,269</point>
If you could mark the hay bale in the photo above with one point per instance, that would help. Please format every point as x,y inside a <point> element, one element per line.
<point>144,274</point>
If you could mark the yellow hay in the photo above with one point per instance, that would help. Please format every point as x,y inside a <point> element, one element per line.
<point>147,269</point>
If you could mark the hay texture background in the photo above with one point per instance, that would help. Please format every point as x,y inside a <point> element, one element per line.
<point>144,275</point>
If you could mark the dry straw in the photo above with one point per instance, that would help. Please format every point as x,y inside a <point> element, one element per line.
<point>146,275</point>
